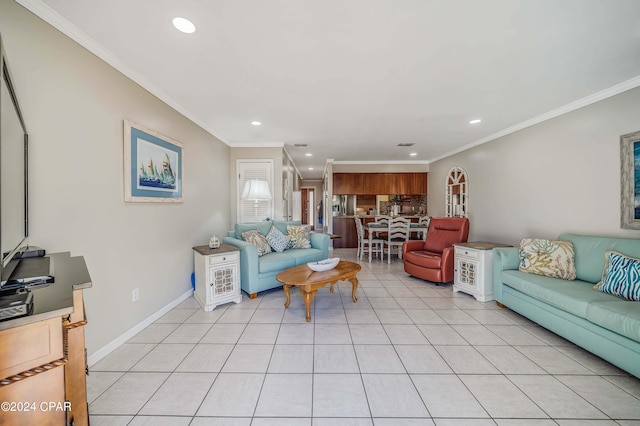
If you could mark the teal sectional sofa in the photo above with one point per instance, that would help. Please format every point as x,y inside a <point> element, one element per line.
<point>600,323</point>
<point>259,273</point>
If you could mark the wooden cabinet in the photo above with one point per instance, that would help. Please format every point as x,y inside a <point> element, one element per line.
<point>217,275</point>
<point>42,355</point>
<point>416,183</point>
<point>345,228</point>
<point>347,183</point>
<point>380,183</point>
<point>473,270</point>
<point>374,183</point>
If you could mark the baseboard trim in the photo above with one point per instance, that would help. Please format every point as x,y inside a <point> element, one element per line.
<point>117,342</point>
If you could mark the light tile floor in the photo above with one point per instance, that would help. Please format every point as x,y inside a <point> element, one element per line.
<point>407,353</point>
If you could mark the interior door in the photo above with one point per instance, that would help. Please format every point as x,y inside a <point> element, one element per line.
<point>305,206</point>
<point>249,210</point>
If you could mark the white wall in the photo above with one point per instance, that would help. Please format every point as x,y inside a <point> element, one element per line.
<point>562,175</point>
<point>74,106</point>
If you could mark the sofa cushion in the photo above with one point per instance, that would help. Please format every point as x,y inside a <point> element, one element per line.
<point>590,253</point>
<point>621,276</point>
<point>277,240</point>
<point>620,316</point>
<point>301,234</point>
<point>308,255</point>
<point>571,296</point>
<point>546,257</point>
<point>257,239</point>
<point>276,262</point>
<point>424,258</point>
<point>282,224</point>
<point>262,227</point>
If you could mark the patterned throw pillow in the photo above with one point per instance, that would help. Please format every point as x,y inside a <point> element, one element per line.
<point>547,257</point>
<point>277,240</point>
<point>621,276</point>
<point>301,234</point>
<point>258,240</point>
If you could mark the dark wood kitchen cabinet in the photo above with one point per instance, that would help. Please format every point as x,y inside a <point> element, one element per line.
<point>345,228</point>
<point>348,183</point>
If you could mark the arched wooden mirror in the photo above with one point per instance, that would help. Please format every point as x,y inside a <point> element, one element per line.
<point>457,193</point>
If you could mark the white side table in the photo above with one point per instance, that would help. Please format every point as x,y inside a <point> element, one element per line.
<point>474,269</point>
<point>217,275</point>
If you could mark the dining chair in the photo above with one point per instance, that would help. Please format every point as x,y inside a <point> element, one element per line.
<point>363,242</point>
<point>397,233</point>
<point>424,222</point>
<point>383,220</point>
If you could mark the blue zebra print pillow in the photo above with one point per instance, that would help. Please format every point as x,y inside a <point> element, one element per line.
<point>621,276</point>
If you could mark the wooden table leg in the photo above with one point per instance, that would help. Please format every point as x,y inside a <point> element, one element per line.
<point>354,287</point>
<point>287,293</point>
<point>308,298</point>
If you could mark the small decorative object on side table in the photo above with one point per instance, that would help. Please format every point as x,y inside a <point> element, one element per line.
<point>214,242</point>
<point>217,273</point>
<point>474,269</point>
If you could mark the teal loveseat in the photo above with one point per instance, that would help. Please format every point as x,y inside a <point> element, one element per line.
<point>258,273</point>
<point>600,323</point>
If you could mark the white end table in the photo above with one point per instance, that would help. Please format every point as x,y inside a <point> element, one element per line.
<point>473,269</point>
<point>217,275</point>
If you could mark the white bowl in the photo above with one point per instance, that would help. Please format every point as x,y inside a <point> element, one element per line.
<point>324,265</point>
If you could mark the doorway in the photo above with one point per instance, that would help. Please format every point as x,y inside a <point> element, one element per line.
<point>308,207</point>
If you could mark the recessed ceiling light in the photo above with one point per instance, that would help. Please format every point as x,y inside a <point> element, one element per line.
<point>256,123</point>
<point>310,168</point>
<point>476,121</point>
<point>413,154</point>
<point>308,154</point>
<point>184,25</point>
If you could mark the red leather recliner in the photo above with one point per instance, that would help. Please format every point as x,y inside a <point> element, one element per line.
<point>432,259</point>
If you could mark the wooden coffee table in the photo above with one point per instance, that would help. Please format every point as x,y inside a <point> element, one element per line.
<point>310,281</point>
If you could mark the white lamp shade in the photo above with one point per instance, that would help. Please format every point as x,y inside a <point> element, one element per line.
<point>255,189</point>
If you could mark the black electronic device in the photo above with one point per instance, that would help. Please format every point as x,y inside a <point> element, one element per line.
<point>31,272</point>
<point>14,182</point>
<point>32,251</point>
<point>16,304</point>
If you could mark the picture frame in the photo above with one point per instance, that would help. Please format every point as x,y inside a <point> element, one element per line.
<point>630,181</point>
<point>153,166</point>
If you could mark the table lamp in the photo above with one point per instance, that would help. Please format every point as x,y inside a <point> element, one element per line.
<point>256,190</point>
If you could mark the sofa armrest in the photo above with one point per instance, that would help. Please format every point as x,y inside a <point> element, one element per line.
<point>504,259</point>
<point>248,263</point>
<point>321,242</point>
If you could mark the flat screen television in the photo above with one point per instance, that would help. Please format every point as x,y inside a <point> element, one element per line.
<point>14,224</point>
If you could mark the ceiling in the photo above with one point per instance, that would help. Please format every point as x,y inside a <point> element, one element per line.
<point>352,79</point>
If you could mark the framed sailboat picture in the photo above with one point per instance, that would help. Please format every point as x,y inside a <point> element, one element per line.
<point>630,181</point>
<point>153,166</point>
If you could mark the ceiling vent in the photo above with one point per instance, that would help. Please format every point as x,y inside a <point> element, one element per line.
<point>406,144</point>
<point>300,145</point>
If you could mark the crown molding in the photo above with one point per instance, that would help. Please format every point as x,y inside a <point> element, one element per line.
<point>580,103</point>
<point>256,145</point>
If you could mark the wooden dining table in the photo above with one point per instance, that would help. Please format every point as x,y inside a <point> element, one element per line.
<point>377,228</point>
